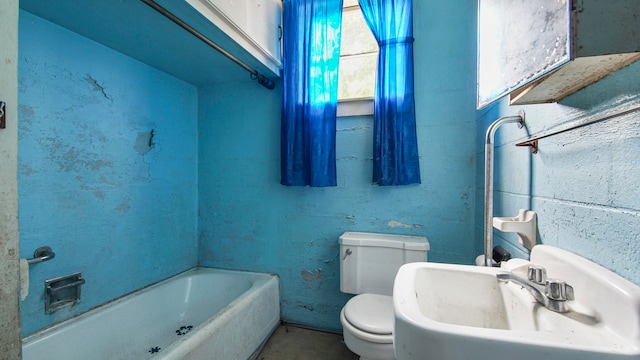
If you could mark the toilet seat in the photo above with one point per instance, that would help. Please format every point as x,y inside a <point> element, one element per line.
<point>372,316</point>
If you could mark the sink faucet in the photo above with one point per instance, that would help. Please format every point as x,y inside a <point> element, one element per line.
<point>552,293</point>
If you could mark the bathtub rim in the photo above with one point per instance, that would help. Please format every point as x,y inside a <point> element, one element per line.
<point>50,328</point>
<point>180,349</point>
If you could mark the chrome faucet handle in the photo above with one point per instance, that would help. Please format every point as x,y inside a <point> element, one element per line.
<point>558,290</point>
<point>537,274</point>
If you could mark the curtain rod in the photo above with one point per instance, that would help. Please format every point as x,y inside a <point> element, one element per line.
<point>255,75</point>
<point>533,140</point>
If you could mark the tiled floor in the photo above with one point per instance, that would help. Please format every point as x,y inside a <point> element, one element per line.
<point>294,343</point>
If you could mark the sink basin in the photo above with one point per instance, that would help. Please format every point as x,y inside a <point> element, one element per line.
<point>446,311</point>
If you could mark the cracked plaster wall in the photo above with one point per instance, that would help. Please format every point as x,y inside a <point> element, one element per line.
<point>107,168</point>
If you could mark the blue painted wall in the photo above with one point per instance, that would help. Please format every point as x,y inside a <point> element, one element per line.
<point>583,184</point>
<point>249,221</point>
<point>112,203</point>
<point>207,191</point>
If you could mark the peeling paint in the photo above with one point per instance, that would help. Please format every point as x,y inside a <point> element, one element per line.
<point>97,192</point>
<point>124,206</point>
<point>26,170</point>
<point>307,307</point>
<point>26,114</point>
<point>397,224</point>
<point>97,87</point>
<point>70,158</point>
<point>355,128</point>
<point>144,142</point>
<point>312,276</point>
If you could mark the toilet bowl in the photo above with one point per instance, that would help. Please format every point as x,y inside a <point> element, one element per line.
<point>367,326</point>
<point>368,267</point>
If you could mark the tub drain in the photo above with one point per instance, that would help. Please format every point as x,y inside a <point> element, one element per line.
<point>183,330</point>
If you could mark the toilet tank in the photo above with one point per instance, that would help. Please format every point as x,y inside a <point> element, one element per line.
<point>369,261</point>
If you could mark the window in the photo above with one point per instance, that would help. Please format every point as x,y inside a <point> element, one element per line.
<point>358,56</point>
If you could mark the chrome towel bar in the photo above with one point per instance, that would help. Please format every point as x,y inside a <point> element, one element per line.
<point>533,140</point>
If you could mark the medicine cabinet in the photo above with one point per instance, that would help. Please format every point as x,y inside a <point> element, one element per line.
<point>542,51</point>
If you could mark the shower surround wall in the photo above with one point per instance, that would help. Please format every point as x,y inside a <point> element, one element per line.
<point>583,184</point>
<point>249,221</point>
<point>107,168</point>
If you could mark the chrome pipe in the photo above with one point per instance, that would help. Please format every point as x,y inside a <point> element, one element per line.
<point>488,181</point>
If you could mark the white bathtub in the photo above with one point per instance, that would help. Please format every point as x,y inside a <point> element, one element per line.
<point>203,313</point>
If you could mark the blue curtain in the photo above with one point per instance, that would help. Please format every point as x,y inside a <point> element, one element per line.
<point>311,52</point>
<point>395,147</point>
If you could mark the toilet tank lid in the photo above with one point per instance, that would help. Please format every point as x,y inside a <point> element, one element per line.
<point>384,240</point>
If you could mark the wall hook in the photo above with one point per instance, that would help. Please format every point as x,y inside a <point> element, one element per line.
<point>533,144</point>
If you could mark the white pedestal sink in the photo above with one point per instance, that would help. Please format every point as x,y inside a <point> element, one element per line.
<point>458,312</point>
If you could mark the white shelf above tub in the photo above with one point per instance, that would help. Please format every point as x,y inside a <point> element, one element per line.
<point>136,30</point>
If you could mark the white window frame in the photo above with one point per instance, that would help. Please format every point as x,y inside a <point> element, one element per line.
<point>355,106</point>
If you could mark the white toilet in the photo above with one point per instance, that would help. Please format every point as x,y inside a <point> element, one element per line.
<point>368,267</point>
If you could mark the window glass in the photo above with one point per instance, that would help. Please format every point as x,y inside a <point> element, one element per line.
<point>358,55</point>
